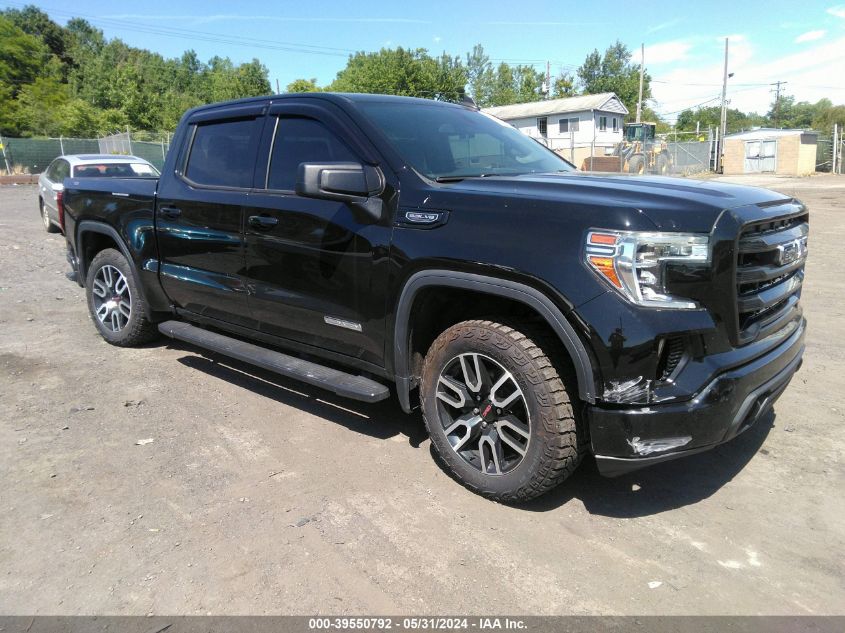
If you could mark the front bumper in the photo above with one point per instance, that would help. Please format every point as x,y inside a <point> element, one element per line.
<point>627,439</point>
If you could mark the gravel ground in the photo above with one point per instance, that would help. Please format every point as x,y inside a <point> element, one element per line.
<point>163,480</point>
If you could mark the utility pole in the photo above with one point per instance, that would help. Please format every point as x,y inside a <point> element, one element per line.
<point>548,80</point>
<point>777,100</point>
<point>278,92</point>
<point>723,124</point>
<point>640,100</point>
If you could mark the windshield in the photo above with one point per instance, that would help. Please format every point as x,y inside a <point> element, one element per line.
<point>445,143</point>
<point>116,170</point>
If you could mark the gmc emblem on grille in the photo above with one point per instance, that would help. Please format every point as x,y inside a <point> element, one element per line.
<point>792,251</point>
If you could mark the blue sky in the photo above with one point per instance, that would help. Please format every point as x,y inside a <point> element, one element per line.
<point>802,43</point>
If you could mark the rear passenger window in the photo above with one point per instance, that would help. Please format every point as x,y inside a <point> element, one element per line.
<point>302,141</point>
<point>62,171</point>
<point>223,153</point>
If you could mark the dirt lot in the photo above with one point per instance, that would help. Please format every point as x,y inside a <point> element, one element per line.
<point>259,495</point>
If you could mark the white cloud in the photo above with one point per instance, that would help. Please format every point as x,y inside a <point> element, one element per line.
<point>437,39</point>
<point>663,25</point>
<point>838,11</point>
<point>814,72</point>
<point>810,36</point>
<point>663,53</point>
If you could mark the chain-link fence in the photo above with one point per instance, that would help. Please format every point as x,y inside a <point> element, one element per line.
<point>151,147</point>
<point>33,155</point>
<point>675,158</point>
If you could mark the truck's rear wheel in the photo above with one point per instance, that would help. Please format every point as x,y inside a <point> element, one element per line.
<point>115,303</point>
<point>497,411</point>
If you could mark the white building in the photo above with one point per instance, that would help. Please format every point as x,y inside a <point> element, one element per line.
<point>575,127</point>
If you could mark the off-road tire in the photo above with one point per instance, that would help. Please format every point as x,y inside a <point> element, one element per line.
<point>636,165</point>
<point>45,218</point>
<point>557,441</point>
<point>139,329</point>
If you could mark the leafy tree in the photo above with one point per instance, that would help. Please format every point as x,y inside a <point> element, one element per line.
<point>563,86</point>
<point>710,117</point>
<point>478,68</point>
<point>791,114</point>
<point>303,85</point>
<point>22,56</point>
<point>35,22</point>
<point>401,71</point>
<point>39,102</point>
<point>825,119</point>
<point>614,72</point>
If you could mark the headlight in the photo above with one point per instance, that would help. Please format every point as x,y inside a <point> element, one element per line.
<point>635,263</point>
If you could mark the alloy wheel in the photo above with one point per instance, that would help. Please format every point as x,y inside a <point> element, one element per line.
<point>483,413</point>
<point>112,298</point>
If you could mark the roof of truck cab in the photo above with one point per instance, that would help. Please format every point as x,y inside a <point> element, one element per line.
<point>333,97</point>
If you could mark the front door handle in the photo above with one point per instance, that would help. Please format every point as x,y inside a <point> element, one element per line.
<point>263,221</point>
<point>170,212</point>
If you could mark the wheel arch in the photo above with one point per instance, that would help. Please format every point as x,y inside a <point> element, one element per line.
<point>513,291</point>
<point>85,230</point>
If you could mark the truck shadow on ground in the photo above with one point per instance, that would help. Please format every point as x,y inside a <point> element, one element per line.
<point>650,491</point>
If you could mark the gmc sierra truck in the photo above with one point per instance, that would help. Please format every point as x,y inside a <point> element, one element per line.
<point>533,313</point>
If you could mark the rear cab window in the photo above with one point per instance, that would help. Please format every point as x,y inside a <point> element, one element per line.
<point>223,153</point>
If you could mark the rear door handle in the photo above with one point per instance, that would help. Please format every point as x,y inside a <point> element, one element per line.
<point>263,221</point>
<point>170,212</point>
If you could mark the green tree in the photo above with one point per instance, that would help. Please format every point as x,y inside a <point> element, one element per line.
<point>35,22</point>
<point>563,86</point>
<point>303,85</point>
<point>401,71</point>
<point>824,119</point>
<point>478,72</point>
<point>40,102</point>
<point>710,117</point>
<point>614,72</point>
<point>22,56</point>
<point>787,113</point>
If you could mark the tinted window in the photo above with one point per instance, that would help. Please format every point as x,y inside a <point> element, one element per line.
<point>116,170</point>
<point>445,141</point>
<point>51,171</point>
<point>62,171</point>
<point>223,153</point>
<point>302,141</point>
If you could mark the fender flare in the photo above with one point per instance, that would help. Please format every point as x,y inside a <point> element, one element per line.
<point>91,226</point>
<point>493,286</point>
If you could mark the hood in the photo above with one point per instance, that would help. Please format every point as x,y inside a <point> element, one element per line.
<point>672,204</point>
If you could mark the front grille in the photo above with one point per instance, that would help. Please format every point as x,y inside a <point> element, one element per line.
<point>769,274</point>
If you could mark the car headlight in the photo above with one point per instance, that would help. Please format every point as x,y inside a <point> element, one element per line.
<point>635,263</point>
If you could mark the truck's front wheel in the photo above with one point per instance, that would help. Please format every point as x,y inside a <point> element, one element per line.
<point>497,411</point>
<point>114,301</point>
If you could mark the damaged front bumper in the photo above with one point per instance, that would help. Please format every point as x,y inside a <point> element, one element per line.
<point>626,439</point>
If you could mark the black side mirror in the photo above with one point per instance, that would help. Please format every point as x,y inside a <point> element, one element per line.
<point>359,185</point>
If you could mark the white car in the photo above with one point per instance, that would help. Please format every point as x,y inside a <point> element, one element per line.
<point>50,182</point>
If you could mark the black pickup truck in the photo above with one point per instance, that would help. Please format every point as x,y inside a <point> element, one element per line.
<point>533,312</point>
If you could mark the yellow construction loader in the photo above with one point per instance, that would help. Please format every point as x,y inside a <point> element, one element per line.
<point>638,153</point>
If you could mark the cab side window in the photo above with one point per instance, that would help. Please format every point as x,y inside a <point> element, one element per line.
<point>223,153</point>
<point>300,140</point>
